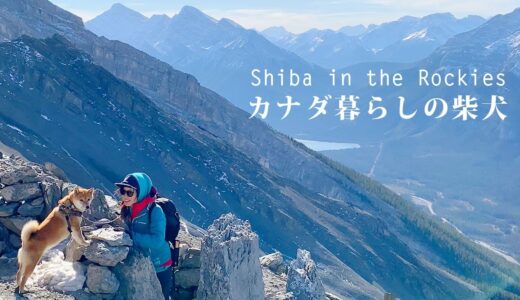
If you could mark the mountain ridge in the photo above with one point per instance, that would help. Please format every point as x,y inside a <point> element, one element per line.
<point>344,188</point>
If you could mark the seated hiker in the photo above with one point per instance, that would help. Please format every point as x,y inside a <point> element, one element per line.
<point>147,228</point>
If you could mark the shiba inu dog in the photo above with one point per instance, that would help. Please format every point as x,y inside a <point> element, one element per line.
<point>62,220</point>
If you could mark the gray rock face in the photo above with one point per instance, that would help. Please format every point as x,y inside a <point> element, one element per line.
<point>8,209</point>
<point>104,254</point>
<point>25,174</point>
<point>8,269</point>
<point>28,187</point>
<point>187,278</point>
<point>230,265</point>
<point>99,208</point>
<point>111,237</point>
<point>55,171</point>
<point>100,280</point>
<point>15,224</point>
<point>4,233</point>
<point>302,278</point>
<point>274,262</point>
<point>38,201</point>
<point>187,274</point>
<point>52,193</point>
<point>28,209</point>
<point>67,188</point>
<point>15,240</point>
<point>20,192</point>
<point>73,251</point>
<point>137,278</point>
<point>275,285</point>
<point>190,259</point>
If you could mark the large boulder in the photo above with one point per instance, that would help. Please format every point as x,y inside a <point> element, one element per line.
<point>274,262</point>
<point>137,278</point>
<point>100,280</point>
<point>15,224</point>
<point>11,174</point>
<point>8,209</point>
<point>74,251</point>
<point>190,259</point>
<point>104,254</point>
<point>275,285</point>
<point>33,208</point>
<point>187,278</point>
<point>110,236</point>
<point>55,171</point>
<point>302,278</point>
<point>229,264</point>
<point>20,192</point>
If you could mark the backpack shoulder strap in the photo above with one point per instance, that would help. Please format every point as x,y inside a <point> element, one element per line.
<point>150,212</point>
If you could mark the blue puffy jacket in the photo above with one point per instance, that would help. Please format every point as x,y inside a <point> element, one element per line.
<point>149,237</point>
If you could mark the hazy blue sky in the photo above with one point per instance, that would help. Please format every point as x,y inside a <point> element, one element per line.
<point>300,15</point>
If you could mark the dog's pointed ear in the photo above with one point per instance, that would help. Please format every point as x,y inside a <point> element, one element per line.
<point>91,190</point>
<point>76,190</point>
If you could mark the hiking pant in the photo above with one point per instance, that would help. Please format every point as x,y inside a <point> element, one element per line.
<point>166,280</point>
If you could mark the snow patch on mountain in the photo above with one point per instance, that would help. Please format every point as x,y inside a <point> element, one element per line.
<point>498,251</point>
<point>423,202</point>
<point>419,35</point>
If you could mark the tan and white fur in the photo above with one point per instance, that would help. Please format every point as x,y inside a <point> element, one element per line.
<point>37,238</point>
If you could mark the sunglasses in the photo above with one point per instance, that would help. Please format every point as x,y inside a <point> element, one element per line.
<point>128,193</point>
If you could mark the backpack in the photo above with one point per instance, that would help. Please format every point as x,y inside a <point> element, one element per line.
<point>173,224</point>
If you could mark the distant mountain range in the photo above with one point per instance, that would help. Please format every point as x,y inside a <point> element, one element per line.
<point>408,39</point>
<point>100,109</point>
<point>220,53</point>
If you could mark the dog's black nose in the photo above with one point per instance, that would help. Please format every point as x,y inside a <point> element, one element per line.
<point>88,206</point>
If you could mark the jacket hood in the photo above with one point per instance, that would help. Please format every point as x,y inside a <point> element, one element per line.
<point>145,185</point>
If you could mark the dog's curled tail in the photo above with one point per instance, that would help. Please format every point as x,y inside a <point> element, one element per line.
<point>28,229</point>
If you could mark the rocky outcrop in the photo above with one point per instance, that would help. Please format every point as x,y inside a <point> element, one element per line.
<point>187,274</point>
<point>100,280</point>
<point>217,263</point>
<point>275,285</point>
<point>274,262</point>
<point>274,271</point>
<point>110,236</point>
<point>137,279</point>
<point>26,191</point>
<point>104,254</point>
<point>230,265</point>
<point>302,278</point>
